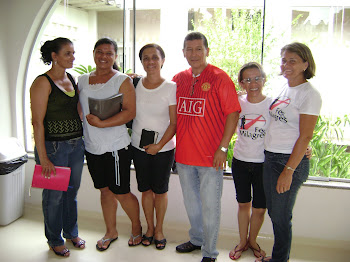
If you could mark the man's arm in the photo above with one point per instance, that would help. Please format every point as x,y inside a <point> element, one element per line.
<point>230,127</point>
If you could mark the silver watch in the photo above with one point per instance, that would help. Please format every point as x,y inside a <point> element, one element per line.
<point>224,149</point>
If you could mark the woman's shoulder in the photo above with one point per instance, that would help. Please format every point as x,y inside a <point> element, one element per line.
<point>170,83</point>
<point>41,82</point>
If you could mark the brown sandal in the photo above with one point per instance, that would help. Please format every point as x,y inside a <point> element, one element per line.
<point>232,254</point>
<point>256,250</point>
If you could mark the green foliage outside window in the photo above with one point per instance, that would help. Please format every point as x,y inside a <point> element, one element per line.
<point>328,156</point>
<point>238,40</point>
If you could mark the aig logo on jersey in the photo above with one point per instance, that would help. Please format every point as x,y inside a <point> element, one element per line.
<point>191,106</point>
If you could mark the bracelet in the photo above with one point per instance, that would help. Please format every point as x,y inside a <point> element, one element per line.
<point>289,168</point>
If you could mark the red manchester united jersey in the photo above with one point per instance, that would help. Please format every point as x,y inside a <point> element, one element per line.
<point>203,103</point>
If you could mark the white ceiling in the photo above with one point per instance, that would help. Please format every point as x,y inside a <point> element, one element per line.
<point>94,5</point>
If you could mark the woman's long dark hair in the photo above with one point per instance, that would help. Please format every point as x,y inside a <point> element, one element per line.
<point>52,46</point>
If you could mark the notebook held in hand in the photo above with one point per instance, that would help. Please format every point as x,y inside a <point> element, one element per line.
<point>59,182</point>
<point>148,137</point>
<point>105,108</point>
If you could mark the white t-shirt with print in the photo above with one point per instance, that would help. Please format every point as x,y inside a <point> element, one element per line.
<point>251,130</point>
<point>285,110</point>
<point>152,112</point>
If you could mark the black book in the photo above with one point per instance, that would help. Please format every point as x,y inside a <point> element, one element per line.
<point>106,107</point>
<point>148,137</point>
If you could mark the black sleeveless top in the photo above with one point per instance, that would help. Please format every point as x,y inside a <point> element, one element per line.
<point>62,121</point>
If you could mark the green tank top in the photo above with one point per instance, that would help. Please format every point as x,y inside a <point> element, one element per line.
<point>62,121</point>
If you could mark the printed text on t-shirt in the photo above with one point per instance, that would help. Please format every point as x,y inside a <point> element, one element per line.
<point>191,106</point>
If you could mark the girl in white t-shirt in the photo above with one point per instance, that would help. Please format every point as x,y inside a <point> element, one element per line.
<point>248,158</point>
<point>293,118</point>
<point>155,116</point>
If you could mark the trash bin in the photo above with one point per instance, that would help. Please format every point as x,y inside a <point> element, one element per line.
<point>12,159</point>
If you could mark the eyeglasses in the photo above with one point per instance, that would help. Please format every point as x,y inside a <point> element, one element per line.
<point>194,82</point>
<point>256,79</point>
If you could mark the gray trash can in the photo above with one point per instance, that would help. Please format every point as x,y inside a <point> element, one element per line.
<point>12,159</point>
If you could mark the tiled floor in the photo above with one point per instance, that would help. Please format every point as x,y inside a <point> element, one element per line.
<point>23,240</point>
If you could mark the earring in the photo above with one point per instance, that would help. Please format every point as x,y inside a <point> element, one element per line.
<point>55,63</point>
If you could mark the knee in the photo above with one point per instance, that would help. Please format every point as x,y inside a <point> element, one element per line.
<point>245,207</point>
<point>259,212</point>
<point>148,193</point>
<point>125,197</point>
<point>52,197</point>
<point>106,193</point>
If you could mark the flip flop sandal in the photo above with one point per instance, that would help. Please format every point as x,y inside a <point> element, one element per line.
<point>232,255</point>
<point>256,250</point>
<point>146,238</point>
<point>78,244</point>
<point>62,253</point>
<point>133,240</point>
<point>104,240</point>
<point>160,244</point>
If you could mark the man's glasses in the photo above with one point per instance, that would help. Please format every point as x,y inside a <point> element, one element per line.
<point>194,82</point>
<point>257,79</point>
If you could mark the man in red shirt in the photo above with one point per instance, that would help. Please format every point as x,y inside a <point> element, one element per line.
<point>207,114</point>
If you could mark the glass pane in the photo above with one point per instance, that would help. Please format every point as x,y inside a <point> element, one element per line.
<point>82,22</point>
<point>325,29</point>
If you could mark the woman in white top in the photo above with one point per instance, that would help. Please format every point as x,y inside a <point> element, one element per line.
<point>294,115</point>
<point>107,141</point>
<point>155,115</point>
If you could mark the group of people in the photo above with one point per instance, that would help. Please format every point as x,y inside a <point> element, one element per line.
<point>202,107</point>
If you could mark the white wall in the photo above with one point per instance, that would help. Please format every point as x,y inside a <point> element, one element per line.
<point>320,213</point>
<point>19,26</point>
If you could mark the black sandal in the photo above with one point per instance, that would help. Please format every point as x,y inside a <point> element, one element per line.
<point>64,253</point>
<point>146,238</point>
<point>78,244</point>
<point>160,244</point>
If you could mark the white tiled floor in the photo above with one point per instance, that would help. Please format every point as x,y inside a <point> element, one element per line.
<point>23,240</point>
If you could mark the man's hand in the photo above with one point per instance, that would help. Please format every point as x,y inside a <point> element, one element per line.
<point>219,159</point>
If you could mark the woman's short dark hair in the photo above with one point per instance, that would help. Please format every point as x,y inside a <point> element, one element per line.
<point>158,47</point>
<point>52,46</point>
<point>196,36</point>
<point>108,41</point>
<point>250,65</point>
<point>304,52</point>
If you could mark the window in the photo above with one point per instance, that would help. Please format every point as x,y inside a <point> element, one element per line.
<point>238,32</point>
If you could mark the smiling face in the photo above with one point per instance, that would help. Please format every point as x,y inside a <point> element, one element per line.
<point>152,60</point>
<point>65,56</point>
<point>196,55</point>
<point>104,56</point>
<point>293,67</point>
<point>253,82</point>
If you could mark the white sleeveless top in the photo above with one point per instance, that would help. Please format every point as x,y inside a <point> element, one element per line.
<point>101,140</point>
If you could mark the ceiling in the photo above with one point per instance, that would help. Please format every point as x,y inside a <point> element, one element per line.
<point>94,5</point>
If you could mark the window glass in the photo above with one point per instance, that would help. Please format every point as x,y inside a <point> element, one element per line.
<point>238,32</point>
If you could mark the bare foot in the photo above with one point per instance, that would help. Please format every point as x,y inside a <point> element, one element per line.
<point>61,251</point>
<point>104,242</point>
<point>77,242</point>
<point>258,252</point>
<point>237,251</point>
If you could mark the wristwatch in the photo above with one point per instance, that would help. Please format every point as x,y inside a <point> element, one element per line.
<point>224,149</point>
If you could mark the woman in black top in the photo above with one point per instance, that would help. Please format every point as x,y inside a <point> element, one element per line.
<point>58,142</point>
